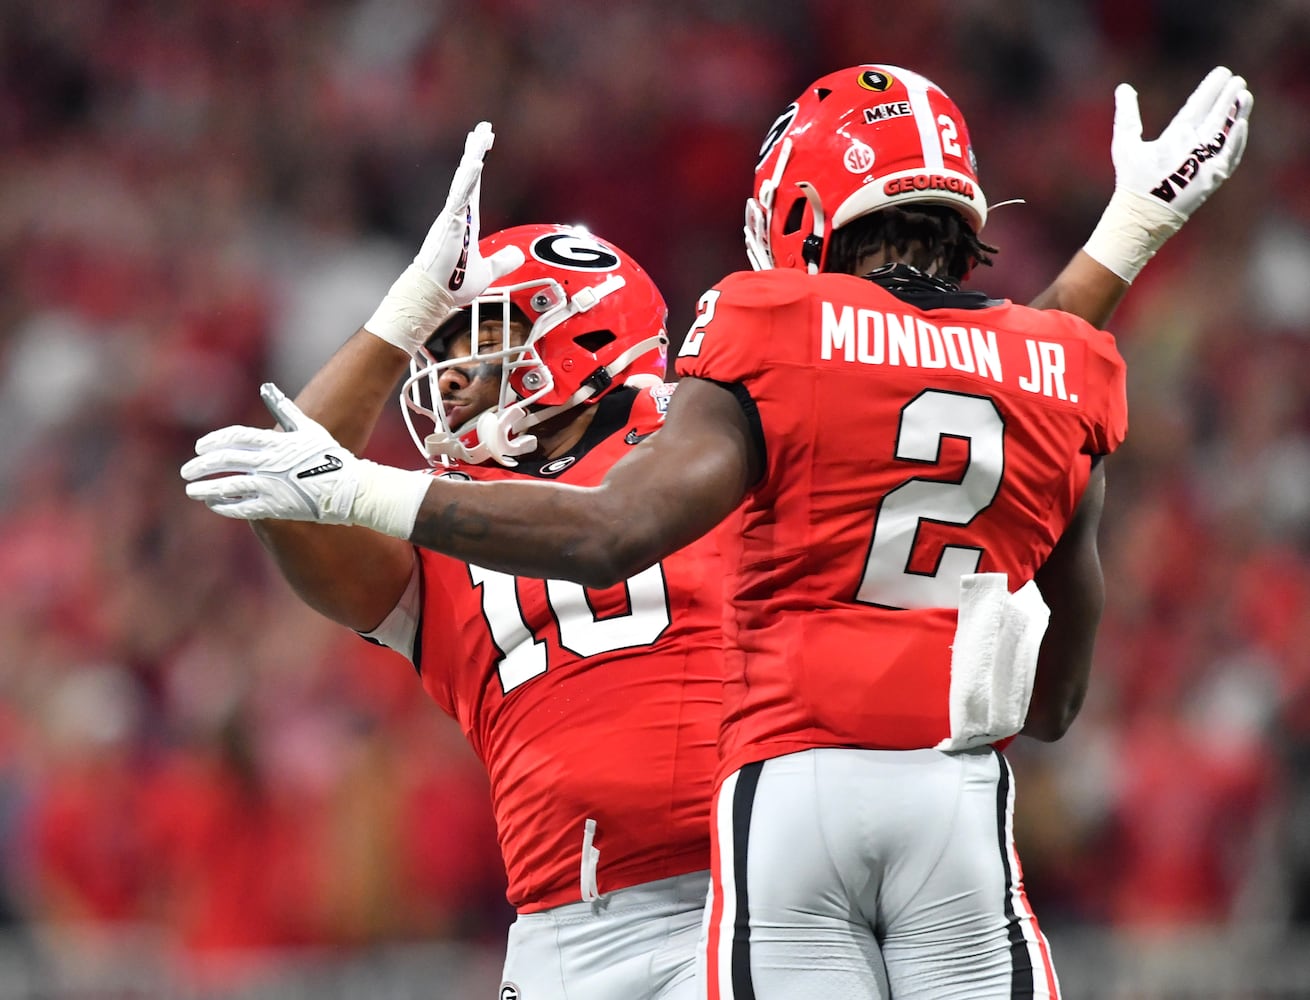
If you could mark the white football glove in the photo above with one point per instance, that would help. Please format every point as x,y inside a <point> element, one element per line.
<point>448,273</point>
<point>300,473</point>
<point>1160,183</point>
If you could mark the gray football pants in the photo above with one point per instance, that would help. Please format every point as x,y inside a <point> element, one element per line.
<point>868,874</point>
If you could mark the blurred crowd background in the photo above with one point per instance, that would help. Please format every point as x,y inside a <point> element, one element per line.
<point>199,195</point>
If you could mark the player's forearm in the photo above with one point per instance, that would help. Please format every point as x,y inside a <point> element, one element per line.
<point>350,575</point>
<point>1084,288</point>
<point>1076,597</point>
<point>349,393</point>
<point>1063,675</point>
<point>554,531</point>
<point>664,494</point>
<point>1073,586</point>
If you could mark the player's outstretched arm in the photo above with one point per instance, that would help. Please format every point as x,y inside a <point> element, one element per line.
<point>1085,288</point>
<point>1159,184</point>
<point>1073,588</point>
<point>352,575</point>
<point>667,492</point>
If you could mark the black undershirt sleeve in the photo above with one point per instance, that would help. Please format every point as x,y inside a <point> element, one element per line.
<point>752,412</point>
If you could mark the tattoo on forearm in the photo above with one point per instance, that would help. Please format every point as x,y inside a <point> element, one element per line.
<point>453,521</point>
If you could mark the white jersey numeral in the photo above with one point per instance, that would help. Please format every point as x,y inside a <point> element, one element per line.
<point>522,657</point>
<point>581,632</point>
<point>704,316</point>
<point>888,581</point>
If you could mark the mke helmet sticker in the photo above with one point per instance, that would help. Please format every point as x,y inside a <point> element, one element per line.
<point>892,109</point>
<point>876,79</point>
<point>574,251</point>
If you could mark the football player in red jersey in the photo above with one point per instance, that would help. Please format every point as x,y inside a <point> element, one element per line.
<point>595,712</point>
<point>904,459</point>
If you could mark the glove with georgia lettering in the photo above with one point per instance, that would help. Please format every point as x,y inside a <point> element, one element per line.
<point>1158,184</point>
<point>448,273</point>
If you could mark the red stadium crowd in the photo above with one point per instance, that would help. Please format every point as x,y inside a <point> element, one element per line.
<point>197,196</point>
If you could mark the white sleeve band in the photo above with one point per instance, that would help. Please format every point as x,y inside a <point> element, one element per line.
<point>1132,228</point>
<point>400,628</point>
<point>388,499</point>
<point>413,308</point>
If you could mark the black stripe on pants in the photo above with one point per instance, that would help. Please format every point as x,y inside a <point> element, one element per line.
<point>743,801</point>
<point>1021,963</point>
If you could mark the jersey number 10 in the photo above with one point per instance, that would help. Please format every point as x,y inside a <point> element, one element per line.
<point>523,655</point>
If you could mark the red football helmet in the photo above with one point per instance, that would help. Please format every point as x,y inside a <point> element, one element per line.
<point>856,141</point>
<point>596,321</point>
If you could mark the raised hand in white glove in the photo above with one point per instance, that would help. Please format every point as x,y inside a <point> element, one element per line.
<point>1158,184</point>
<point>448,273</point>
<point>300,473</point>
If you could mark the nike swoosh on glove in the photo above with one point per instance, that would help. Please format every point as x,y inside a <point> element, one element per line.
<point>299,473</point>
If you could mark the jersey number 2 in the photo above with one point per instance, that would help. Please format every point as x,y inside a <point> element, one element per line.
<point>932,415</point>
<point>523,655</point>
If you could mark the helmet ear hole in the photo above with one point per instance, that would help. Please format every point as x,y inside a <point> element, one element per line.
<point>795,215</point>
<point>594,340</point>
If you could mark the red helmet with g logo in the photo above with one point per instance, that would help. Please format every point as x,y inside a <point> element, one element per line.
<point>595,321</point>
<point>856,141</point>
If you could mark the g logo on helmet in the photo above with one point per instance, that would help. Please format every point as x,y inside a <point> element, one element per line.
<point>508,991</point>
<point>574,252</point>
<point>876,80</point>
<point>776,131</point>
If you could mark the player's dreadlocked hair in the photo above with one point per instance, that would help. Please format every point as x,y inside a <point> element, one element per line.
<point>924,235</point>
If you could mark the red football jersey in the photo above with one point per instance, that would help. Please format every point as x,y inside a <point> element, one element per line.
<point>904,448</point>
<point>585,704</point>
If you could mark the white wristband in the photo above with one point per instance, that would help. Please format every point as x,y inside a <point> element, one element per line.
<point>412,309</point>
<point>388,499</point>
<point>1132,228</point>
